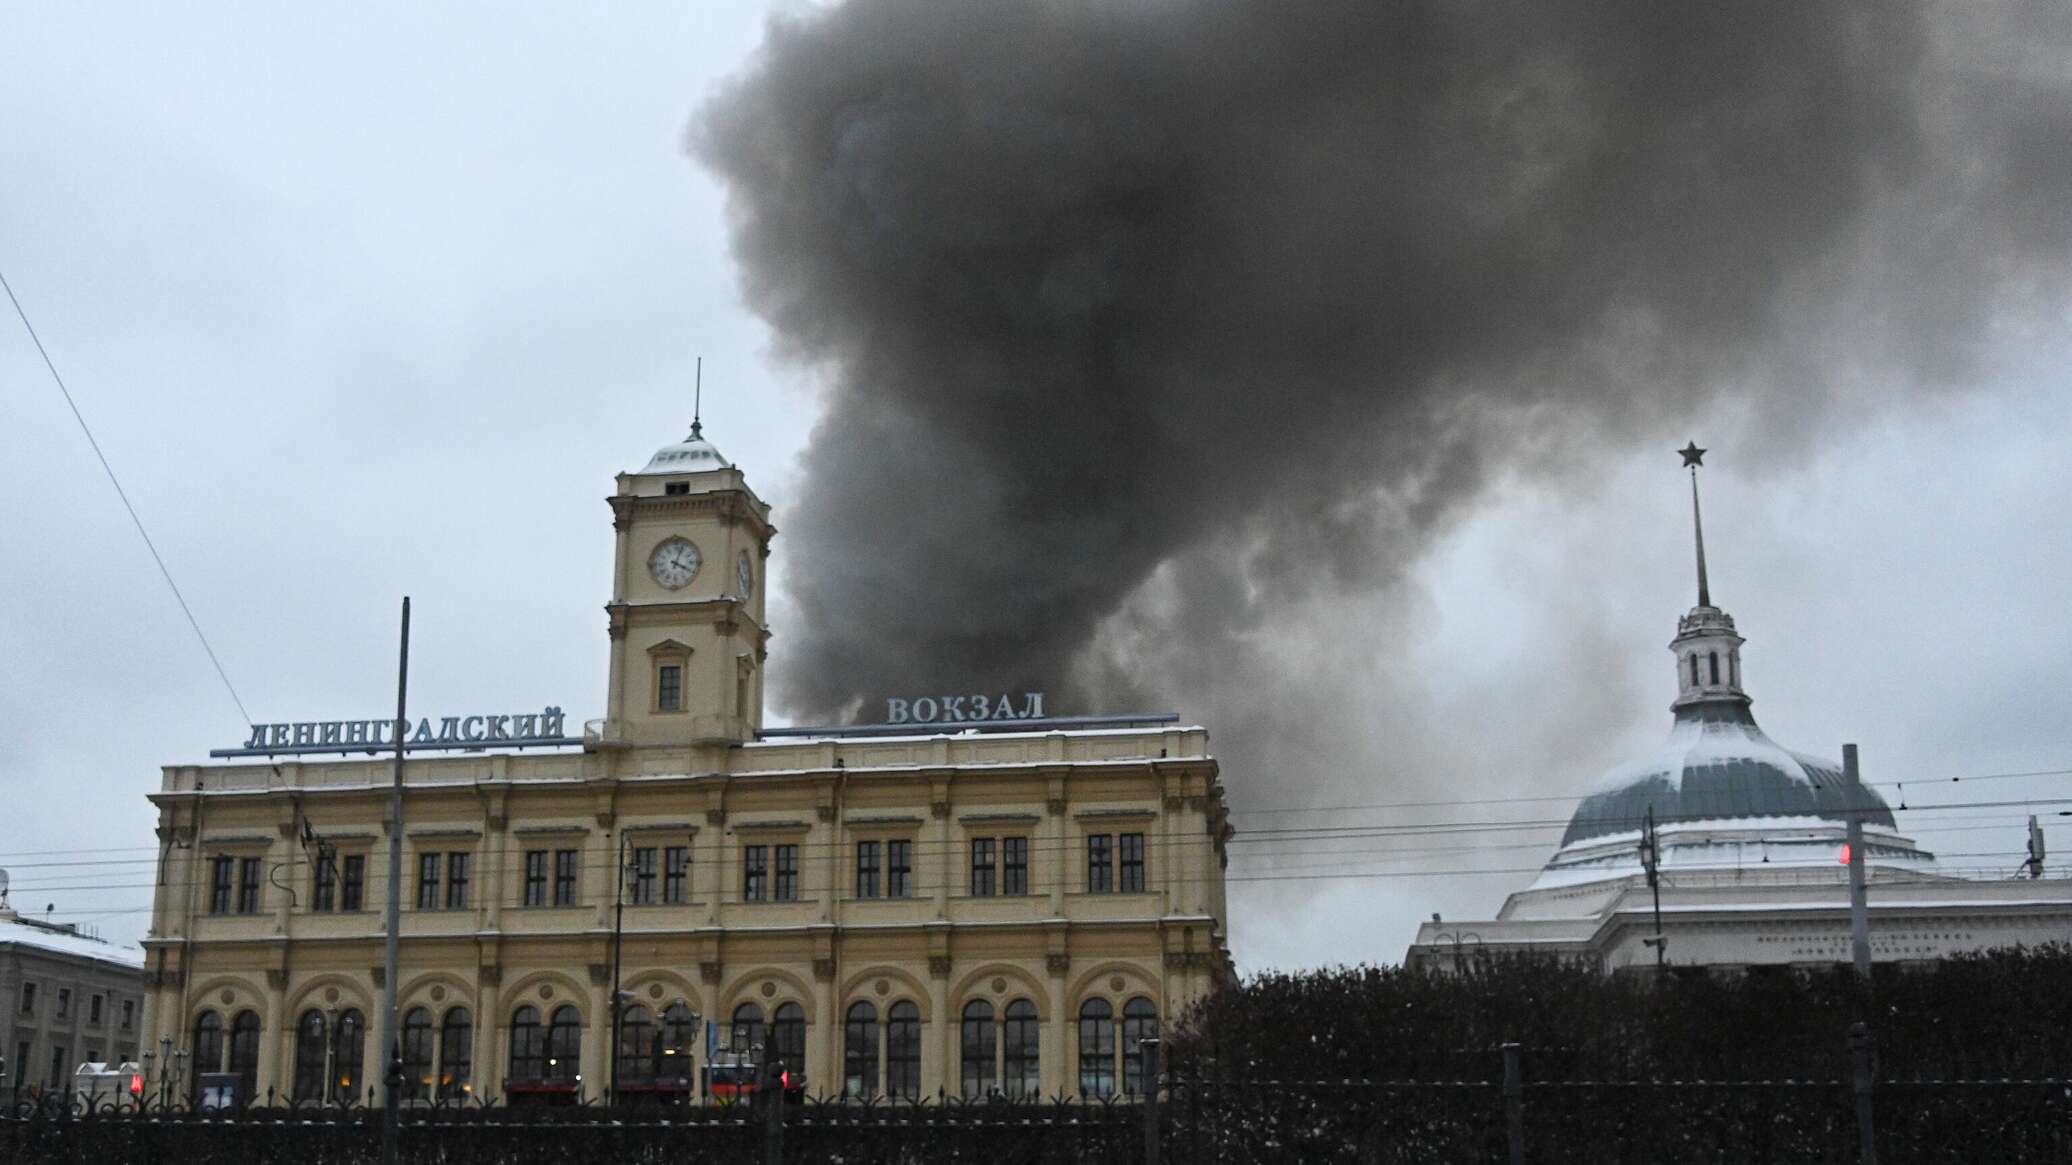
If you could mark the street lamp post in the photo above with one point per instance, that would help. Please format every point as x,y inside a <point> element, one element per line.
<point>330,1053</point>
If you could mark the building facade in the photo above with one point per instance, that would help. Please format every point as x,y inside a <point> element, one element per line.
<point>1746,839</point>
<point>70,999</point>
<point>1004,904</point>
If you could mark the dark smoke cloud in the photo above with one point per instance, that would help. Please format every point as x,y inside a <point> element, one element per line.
<point>1155,334</point>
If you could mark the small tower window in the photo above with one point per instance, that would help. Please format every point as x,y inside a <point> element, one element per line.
<point>1715,667</point>
<point>1694,669</point>
<point>1734,670</point>
<point>669,687</point>
<point>676,487</point>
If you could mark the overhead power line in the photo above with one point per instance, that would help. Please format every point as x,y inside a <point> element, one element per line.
<point>124,495</point>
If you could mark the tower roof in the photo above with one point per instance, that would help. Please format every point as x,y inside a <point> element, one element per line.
<point>693,454</point>
<point>1716,766</point>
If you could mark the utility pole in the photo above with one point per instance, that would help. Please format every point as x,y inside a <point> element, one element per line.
<point>1651,861</point>
<point>618,1000</point>
<point>1859,897</point>
<point>391,1112</point>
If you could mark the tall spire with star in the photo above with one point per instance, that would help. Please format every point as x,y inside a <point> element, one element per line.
<point>1693,457</point>
<point>1707,648</point>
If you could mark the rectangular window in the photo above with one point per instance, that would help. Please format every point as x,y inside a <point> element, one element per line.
<point>129,1014</point>
<point>982,869</point>
<point>57,1066</point>
<point>221,871</point>
<point>457,881</point>
<point>93,1011</point>
<point>28,1001</point>
<point>323,891</point>
<point>1014,865</point>
<point>428,881</point>
<point>352,885</point>
<point>755,871</point>
<point>669,687</point>
<point>642,883</point>
<point>676,874</point>
<point>867,869</point>
<point>787,873</point>
<point>899,869</point>
<point>64,1002</point>
<point>1100,869</point>
<point>248,885</point>
<point>1132,872</point>
<point>21,1056</point>
<point>565,877</point>
<point>535,877</point>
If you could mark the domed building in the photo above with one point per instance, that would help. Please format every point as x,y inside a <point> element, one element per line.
<point>1723,848</point>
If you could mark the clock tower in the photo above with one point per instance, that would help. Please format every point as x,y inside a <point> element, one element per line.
<point>686,613</point>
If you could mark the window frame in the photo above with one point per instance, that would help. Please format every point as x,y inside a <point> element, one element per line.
<point>222,875</point>
<point>428,866</point>
<point>1014,866</point>
<point>899,867</point>
<point>533,886</point>
<point>568,884</point>
<point>755,872</point>
<point>869,863</point>
<point>457,879</point>
<point>1130,860</point>
<point>784,880</point>
<point>669,686</point>
<point>985,868</point>
<point>352,884</point>
<point>676,875</point>
<point>641,883</point>
<point>1100,863</point>
<point>250,896</point>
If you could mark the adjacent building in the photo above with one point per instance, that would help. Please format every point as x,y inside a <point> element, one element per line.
<point>1748,843</point>
<point>1005,903</point>
<point>70,998</point>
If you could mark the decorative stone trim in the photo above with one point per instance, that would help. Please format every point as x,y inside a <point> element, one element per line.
<point>491,975</point>
<point>709,972</point>
<point>379,975</point>
<point>939,966</point>
<point>1057,964</point>
<point>600,974</point>
<point>1056,806</point>
<point>824,812</point>
<point>824,969</point>
<point>1173,804</point>
<point>276,979</point>
<point>938,809</point>
<point>715,817</point>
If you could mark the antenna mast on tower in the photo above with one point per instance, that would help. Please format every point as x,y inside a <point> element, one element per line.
<point>698,401</point>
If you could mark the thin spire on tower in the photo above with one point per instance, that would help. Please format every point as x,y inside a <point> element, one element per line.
<point>1693,457</point>
<point>698,402</point>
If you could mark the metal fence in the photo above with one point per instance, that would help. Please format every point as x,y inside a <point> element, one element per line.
<point>1501,1119</point>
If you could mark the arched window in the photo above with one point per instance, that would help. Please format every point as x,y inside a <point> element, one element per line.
<point>244,1055</point>
<point>788,1033</point>
<point>1096,1049</point>
<point>528,1045</point>
<point>1021,1040</point>
<point>1694,669</point>
<point>747,1037</point>
<point>636,1051</point>
<point>860,1051</point>
<point>978,1044</point>
<point>456,1054</point>
<point>417,1054</point>
<point>1734,670</point>
<point>673,1049</point>
<point>1139,1023</point>
<point>564,1045</point>
<point>903,1050</point>
<point>208,1046</point>
<point>1715,666</point>
<point>346,1055</point>
<point>311,1034</point>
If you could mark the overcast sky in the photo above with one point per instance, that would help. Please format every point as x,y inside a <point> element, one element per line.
<point>375,301</point>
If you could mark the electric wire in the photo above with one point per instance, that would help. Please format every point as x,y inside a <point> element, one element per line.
<point>163,570</point>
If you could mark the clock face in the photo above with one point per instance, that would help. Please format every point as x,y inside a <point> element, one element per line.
<point>674,563</point>
<point>744,574</point>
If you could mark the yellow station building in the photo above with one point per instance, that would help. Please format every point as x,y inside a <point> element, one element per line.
<point>987,902</point>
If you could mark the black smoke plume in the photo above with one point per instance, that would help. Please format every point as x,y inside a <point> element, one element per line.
<point>1150,331</point>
